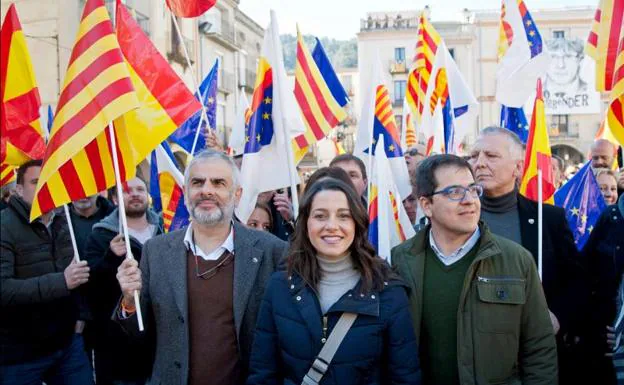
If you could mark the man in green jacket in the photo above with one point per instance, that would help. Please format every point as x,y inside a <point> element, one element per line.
<point>478,307</point>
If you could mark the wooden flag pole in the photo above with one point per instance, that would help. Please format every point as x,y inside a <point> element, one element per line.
<point>124,220</point>
<point>540,233</point>
<point>71,233</point>
<point>195,86</point>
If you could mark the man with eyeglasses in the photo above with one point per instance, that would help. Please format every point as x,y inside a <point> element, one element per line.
<point>478,310</point>
<point>497,159</point>
<point>201,286</point>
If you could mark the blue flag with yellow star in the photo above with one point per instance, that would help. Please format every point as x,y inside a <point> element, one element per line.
<point>515,121</point>
<point>582,201</point>
<point>185,134</point>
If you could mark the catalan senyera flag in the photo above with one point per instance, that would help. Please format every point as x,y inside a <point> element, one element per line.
<point>320,96</point>
<point>389,224</point>
<point>7,174</point>
<point>166,103</point>
<point>603,41</point>
<point>21,136</point>
<point>538,155</point>
<point>418,80</point>
<point>615,113</point>
<point>97,90</point>
<point>167,188</point>
<point>408,131</point>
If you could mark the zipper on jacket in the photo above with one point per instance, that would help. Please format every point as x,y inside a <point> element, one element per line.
<point>324,339</point>
<point>497,279</point>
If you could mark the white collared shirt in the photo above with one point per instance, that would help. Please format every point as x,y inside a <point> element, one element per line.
<point>228,245</point>
<point>458,254</point>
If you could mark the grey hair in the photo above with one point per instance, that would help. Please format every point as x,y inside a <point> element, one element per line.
<point>212,155</point>
<point>516,148</point>
<point>603,171</point>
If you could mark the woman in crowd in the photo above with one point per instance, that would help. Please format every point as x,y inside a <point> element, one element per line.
<point>261,218</point>
<point>333,270</point>
<point>607,181</point>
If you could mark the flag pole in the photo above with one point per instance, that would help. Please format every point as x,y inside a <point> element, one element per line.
<point>195,86</point>
<point>540,233</point>
<point>124,220</point>
<point>71,233</point>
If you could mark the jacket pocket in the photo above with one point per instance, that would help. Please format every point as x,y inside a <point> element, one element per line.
<point>499,305</point>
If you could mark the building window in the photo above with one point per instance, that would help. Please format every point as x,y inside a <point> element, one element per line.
<point>559,125</point>
<point>399,122</point>
<point>399,54</point>
<point>559,34</point>
<point>399,91</point>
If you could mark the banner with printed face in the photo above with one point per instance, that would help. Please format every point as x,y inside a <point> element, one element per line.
<point>569,86</point>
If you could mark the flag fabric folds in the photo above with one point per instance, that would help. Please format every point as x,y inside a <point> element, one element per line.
<point>408,131</point>
<point>7,174</point>
<point>615,112</point>
<point>97,90</point>
<point>418,80</point>
<point>265,159</point>
<point>167,188</point>
<point>190,8</point>
<point>538,155</point>
<point>583,203</point>
<point>165,101</point>
<point>389,224</point>
<point>320,96</point>
<point>21,135</point>
<point>185,134</point>
<point>515,120</point>
<point>377,120</point>
<point>603,42</point>
<point>237,139</point>
<point>521,54</point>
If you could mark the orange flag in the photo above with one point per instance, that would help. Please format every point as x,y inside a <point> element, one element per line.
<point>538,155</point>
<point>21,136</point>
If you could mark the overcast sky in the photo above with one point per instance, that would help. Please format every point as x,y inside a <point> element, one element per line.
<point>340,19</point>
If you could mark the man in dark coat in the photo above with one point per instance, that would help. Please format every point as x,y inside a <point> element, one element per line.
<point>117,358</point>
<point>38,279</point>
<point>497,159</point>
<point>213,261</point>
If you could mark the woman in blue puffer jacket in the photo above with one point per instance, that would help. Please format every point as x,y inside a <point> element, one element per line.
<point>332,269</point>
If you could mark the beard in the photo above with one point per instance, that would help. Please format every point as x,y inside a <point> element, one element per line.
<point>83,204</point>
<point>219,214</point>
<point>135,211</point>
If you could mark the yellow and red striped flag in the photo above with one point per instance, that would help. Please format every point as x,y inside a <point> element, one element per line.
<point>320,96</point>
<point>538,155</point>
<point>97,90</point>
<point>615,113</point>
<point>21,136</point>
<point>603,41</point>
<point>418,80</point>
<point>165,101</point>
<point>7,174</point>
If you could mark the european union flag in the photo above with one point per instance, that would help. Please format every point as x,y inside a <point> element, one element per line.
<point>515,121</point>
<point>583,203</point>
<point>185,134</point>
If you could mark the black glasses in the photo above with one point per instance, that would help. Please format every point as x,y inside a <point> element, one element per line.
<point>458,193</point>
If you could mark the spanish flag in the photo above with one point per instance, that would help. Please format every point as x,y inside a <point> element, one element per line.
<point>97,90</point>
<point>603,41</point>
<point>165,101</point>
<point>538,155</point>
<point>615,113</point>
<point>21,136</point>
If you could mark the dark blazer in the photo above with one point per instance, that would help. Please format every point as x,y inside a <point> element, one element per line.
<point>164,300</point>
<point>380,347</point>
<point>563,273</point>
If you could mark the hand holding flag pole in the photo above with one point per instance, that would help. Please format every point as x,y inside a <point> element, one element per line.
<point>124,221</point>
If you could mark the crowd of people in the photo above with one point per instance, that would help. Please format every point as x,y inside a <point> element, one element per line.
<point>304,299</point>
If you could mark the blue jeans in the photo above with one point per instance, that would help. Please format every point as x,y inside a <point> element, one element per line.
<point>68,366</point>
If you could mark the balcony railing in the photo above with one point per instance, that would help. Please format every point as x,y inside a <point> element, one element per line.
<point>248,80</point>
<point>397,103</point>
<point>175,52</point>
<point>227,83</point>
<point>398,67</point>
<point>388,23</point>
<point>224,32</point>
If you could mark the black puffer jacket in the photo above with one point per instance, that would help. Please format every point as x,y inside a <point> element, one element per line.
<point>37,311</point>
